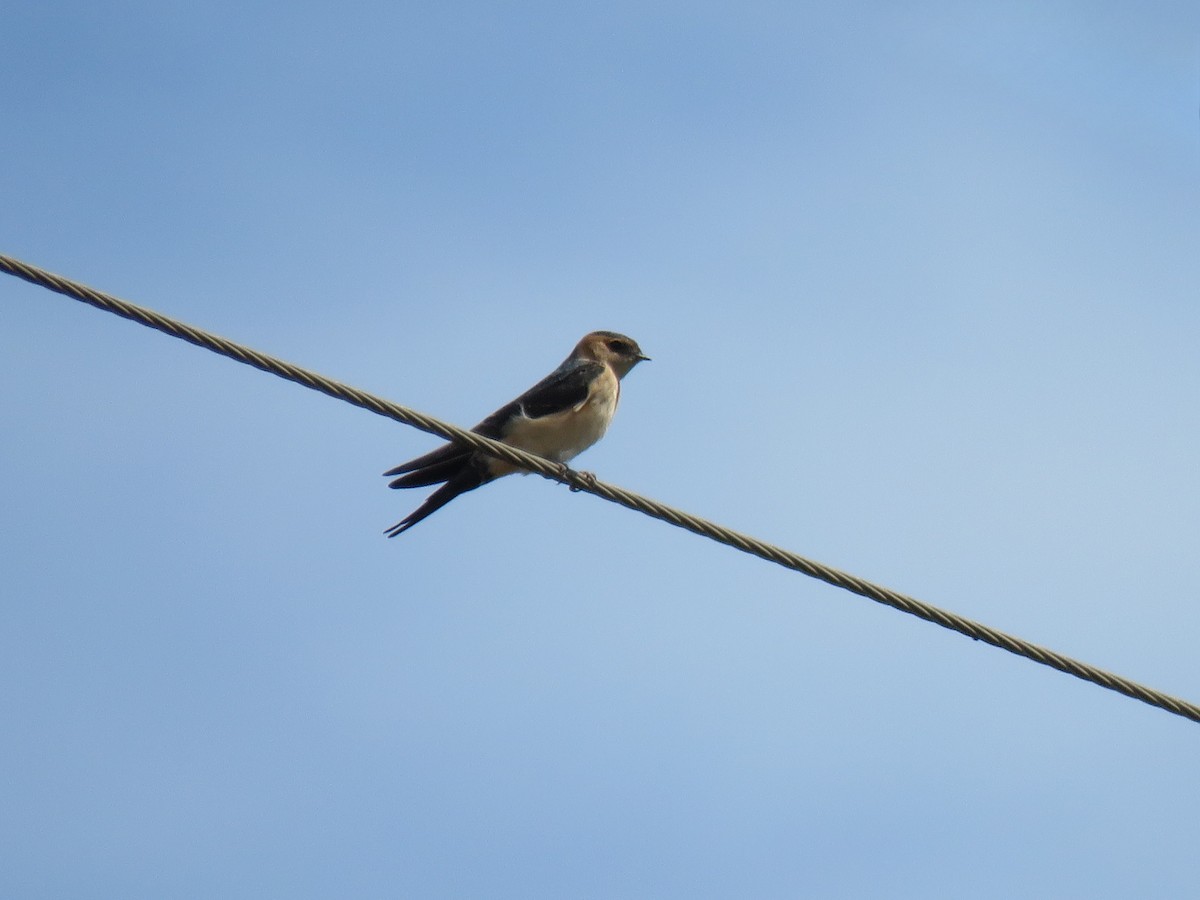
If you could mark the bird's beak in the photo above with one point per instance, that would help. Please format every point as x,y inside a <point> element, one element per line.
<point>643,359</point>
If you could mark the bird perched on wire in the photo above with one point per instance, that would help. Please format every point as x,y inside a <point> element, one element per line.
<point>558,418</point>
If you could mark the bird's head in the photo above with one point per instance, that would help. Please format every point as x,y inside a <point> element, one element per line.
<point>610,348</point>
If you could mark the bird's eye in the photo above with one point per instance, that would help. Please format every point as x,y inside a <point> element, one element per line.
<point>618,346</point>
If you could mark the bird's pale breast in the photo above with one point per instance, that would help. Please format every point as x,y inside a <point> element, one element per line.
<point>562,436</point>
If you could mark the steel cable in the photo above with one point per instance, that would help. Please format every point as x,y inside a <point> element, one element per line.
<point>581,481</point>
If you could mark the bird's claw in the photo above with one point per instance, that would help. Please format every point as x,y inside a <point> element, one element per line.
<point>571,476</point>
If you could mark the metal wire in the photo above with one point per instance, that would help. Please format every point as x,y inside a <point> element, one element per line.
<point>583,482</point>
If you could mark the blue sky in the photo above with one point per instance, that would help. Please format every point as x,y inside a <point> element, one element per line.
<point>920,285</point>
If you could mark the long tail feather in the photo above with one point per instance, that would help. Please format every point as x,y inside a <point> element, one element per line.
<point>434,474</point>
<point>466,480</point>
<point>433,458</point>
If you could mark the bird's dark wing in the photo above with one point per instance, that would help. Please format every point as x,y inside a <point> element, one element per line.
<point>441,464</point>
<point>565,387</point>
<point>467,479</point>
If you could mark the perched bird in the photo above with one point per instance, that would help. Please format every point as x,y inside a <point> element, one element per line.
<point>558,418</point>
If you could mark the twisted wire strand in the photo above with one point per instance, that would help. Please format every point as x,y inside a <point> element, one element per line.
<point>580,481</point>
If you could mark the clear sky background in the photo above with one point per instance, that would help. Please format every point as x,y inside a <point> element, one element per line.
<point>921,283</point>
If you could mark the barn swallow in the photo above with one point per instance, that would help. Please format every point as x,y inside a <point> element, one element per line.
<point>558,418</point>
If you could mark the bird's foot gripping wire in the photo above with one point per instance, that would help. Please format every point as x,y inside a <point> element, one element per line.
<point>576,480</point>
